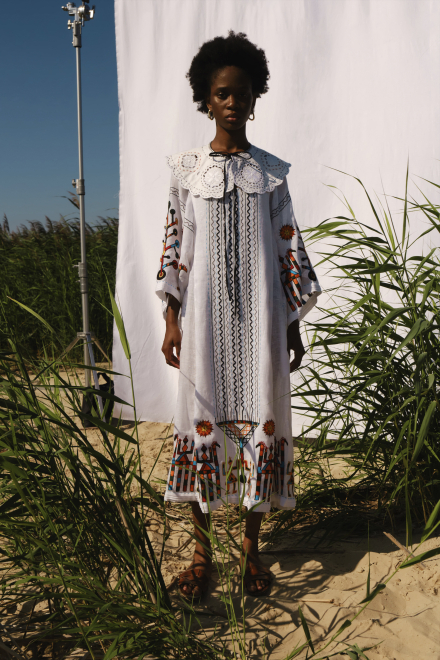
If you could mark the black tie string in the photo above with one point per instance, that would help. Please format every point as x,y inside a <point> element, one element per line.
<point>230,267</point>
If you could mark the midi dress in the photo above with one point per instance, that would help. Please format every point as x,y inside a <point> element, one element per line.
<point>234,258</point>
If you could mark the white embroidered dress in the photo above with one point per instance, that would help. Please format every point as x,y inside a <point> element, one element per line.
<point>234,258</point>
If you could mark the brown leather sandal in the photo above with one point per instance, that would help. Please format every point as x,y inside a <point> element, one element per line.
<point>197,576</point>
<point>252,573</point>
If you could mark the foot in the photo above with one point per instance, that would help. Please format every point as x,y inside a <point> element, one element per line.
<point>257,577</point>
<point>193,583</point>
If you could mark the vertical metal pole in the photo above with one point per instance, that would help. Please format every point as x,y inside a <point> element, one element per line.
<point>80,189</point>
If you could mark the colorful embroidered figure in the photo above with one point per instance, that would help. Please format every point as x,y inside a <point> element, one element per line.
<point>209,471</point>
<point>182,461</point>
<point>269,427</point>
<point>279,465</point>
<point>290,483</point>
<point>174,264</point>
<point>265,471</point>
<point>307,265</point>
<point>204,428</point>
<point>291,277</point>
<point>183,267</point>
<point>232,478</point>
<point>287,232</point>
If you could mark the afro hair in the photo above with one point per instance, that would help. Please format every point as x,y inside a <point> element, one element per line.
<point>233,50</point>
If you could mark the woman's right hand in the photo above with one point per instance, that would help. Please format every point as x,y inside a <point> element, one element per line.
<point>173,336</point>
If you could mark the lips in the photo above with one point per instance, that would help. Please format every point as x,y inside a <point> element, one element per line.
<point>232,118</point>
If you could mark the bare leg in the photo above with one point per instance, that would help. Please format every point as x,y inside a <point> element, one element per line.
<point>202,551</point>
<point>250,546</point>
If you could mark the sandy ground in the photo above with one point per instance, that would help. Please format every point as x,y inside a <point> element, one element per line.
<point>403,621</point>
<point>328,583</point>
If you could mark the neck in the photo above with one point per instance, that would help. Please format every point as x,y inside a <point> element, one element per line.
<point>230,141</point>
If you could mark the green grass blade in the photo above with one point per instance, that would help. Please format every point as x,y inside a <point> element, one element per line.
<point>424,428</point>
<point>306,629</point>
<point>31,311</point>
<point>120,325</point>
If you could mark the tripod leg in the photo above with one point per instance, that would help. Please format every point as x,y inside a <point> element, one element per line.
<point>101,349</point>
<point>95,375</point>
<point>69,348</point>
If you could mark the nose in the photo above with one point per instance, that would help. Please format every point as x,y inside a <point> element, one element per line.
<point>232,102</point>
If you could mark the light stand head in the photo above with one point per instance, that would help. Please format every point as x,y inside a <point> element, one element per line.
<point>81,14</point>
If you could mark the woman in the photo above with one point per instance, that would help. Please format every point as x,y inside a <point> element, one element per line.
<point>235,280</point>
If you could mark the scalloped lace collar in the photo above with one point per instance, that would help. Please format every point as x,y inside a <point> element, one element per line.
<point>204,175</point>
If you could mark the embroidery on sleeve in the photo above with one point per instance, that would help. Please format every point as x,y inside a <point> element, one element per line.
<point>291,280</point>
<point>287,232</point>
<point>189,224</point>
<point>307,265</point>
<point>174,263</point>
<point>282,205</point>
<point>279,461</point>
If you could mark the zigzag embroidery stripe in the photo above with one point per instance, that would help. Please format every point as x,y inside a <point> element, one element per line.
<point>189,224</point>
<point>234,261</point>
<point>282,205</point>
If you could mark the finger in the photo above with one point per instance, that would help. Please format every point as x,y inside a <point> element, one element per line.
<point>296,362</point>
<point>170,358</point>
<point>174,361</point>
<point>168,352</point>
<point>178,350</point>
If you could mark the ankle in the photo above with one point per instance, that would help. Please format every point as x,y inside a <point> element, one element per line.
<point>250,548</point>
<point>202,554</point>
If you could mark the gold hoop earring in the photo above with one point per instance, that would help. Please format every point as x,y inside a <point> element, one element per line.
<point>253,116</point>
<point>210,115</point>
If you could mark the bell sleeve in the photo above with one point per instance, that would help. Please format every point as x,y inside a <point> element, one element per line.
<point>177,246</point>
<point>299,281</point>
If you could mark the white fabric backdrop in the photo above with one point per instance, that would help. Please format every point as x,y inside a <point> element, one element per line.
<point>354,86</point>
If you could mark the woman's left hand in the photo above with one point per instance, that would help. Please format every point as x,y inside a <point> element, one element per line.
<point>294,343</point>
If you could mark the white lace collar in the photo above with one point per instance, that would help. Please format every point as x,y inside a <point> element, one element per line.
<point>203,175</point>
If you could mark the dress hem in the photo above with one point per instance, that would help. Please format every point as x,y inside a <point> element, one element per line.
<point>284,503</point>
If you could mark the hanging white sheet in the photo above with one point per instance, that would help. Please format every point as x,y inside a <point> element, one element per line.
<point>354,86</point>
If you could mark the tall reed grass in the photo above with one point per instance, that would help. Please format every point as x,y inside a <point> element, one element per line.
<point>74,517</point>
<point>75,545</point>
<point>371,390</point>
<point>37,266</point>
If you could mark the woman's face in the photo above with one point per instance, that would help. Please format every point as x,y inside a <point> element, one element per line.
<point>231,100</point>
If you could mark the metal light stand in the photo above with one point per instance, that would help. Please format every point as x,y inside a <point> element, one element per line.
<point>80,15</point>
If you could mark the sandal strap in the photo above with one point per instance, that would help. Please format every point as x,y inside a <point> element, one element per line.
<point>259,573</point>
<point>195,575</point>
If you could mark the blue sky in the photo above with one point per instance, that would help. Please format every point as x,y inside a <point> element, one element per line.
<point>38,145</point>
